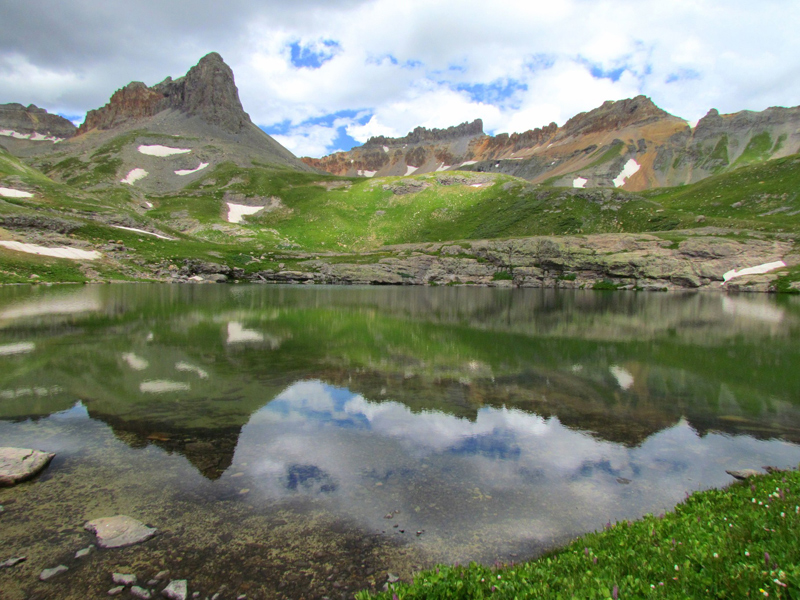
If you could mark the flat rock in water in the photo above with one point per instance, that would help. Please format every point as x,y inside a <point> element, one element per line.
<point>49,573</point>
<point>19,464</point>
<point>123,578</point>
<point>84,551</point>
<point>743,474</point>
<point>176,590</point>
<point>119,531</point>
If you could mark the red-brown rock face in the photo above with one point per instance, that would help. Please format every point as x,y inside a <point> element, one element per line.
<point>134,101</point>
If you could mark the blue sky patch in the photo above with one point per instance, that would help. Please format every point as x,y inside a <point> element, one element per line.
<point>683,75</point>
<point>496,92</point>
<point>314,55</point>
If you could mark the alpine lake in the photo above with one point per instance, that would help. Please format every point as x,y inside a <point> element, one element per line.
<point>312,441</point>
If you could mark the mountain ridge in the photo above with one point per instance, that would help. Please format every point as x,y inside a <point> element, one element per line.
<point>592,149</point>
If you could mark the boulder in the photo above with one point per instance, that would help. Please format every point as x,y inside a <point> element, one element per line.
<point>19,464</point>
<point>119,531</point>
<point>176,590</point>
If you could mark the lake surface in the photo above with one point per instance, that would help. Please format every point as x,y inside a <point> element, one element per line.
<point>310,441</point>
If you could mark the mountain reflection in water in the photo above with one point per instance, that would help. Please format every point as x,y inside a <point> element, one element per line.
<point>484,423</point>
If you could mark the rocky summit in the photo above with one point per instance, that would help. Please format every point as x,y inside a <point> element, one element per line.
<point>207,91</point>
<point>34,120</point>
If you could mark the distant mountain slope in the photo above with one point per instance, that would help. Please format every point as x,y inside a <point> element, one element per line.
<point>629,143</point>
<point>155,139</point>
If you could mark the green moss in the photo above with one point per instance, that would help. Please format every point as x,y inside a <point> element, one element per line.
<point>502,276</point>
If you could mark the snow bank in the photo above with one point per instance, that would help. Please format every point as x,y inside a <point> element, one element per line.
<point>186,367</point>
<point>627,171</point>
<point>410,170</point>
<point>34,137</point>
<point>72,253</point>
<point>158,235</point>
<point>623,377</point>
<point>757,270</point>
<point>761,311</point>
<point>579,182</point>
<point>183,172</point>
<point>237,211</point>
<point>137,363</point>
<point>238,334</point>
<point>160,386</point>
<point>157,150</point>
<point>134,175</point>
<point>442,167</point>
<point>468,162</point>
<point>367,173</point>
<point>12,193</point>
<point>386,148</point>
<point>18,348</point>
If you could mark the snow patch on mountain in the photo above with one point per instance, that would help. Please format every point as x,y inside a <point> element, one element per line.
<point>757,270</point>
<point>182,172</point>
<point>579,182</point>
<point>34,137</point>
<point>628,170</point>
<point>410,170</point>
<point>237,211</point>
<point>134,176</point>
<point>71,253</point>
<point>12,193</point>
<point>162,151</point>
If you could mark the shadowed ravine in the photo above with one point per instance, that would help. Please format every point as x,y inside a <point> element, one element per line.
<point>268,432</point>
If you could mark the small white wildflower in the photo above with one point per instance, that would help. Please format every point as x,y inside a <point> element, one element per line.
<point>716,555</point>
<point>760,503</point>
<point>754,500</point>
<point>783,514</point>
<point>746,553</point>
<point>498,576</point>
<point>677,568</point>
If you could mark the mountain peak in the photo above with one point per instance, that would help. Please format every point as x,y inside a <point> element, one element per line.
<point>207,91</point>
<point>613,115</point>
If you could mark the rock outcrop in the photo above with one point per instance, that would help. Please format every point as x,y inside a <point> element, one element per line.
<point>32,119</point>
<point>207,91</point>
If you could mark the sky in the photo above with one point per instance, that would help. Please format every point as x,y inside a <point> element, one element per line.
<point>325,75</point>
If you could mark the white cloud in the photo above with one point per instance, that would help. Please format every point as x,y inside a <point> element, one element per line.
<point>404,62</point>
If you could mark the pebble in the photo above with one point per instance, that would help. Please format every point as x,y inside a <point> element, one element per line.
<point>196,595</point>
<point>161,575</point>
<point>215,596</point>
<point>176,590</point>
<point>48,573</point>
<point>141,593</point>
<point>13,561</point>
<point>116,590</point>
<point>152,583</point>
<point>392,578</point>
<point>123,578</point>
<point>84,551</point>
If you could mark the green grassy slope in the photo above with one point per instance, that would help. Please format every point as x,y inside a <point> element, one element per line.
<point>323,213</point>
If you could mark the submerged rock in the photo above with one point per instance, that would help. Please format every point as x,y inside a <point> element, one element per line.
<point>13,561</point>
<point>84,551</point>
<point>119,531</point>
<point>140,592</point>
<point>50,573</point>
<point>19,464</point>
<point>176,590</point>
<point>123,578</point>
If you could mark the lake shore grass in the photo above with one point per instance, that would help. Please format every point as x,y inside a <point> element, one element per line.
<point>736,542</point>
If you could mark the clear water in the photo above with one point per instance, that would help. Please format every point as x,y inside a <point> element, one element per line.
<point>309,441</point>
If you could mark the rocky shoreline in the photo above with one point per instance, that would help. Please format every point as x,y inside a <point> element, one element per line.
<point>607,261</point>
